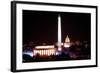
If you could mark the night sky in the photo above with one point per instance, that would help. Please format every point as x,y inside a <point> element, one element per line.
<point>42,26</point>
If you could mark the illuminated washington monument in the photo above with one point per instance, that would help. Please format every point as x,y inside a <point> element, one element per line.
<point>59,33</point>
<point>67,40</point>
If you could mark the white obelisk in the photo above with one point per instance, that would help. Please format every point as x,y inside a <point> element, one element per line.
<point>59,33</point>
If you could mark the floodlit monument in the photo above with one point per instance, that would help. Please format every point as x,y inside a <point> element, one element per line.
<point>59,33</point>
<point>44,50</point>
<point>67,42</point>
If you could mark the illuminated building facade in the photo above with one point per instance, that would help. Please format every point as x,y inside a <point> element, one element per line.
<point>67,42</point>
<point>44,50</point>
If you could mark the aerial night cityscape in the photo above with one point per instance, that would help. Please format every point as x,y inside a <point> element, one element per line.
<point>56,36</point>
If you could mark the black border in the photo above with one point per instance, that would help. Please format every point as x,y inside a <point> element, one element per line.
<point>13,34</point>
